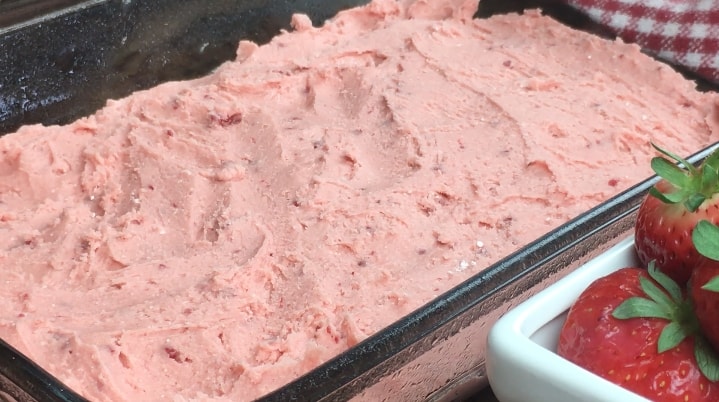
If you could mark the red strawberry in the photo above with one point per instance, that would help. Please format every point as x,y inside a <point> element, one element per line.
<point>704,283</point>
<point>685,195</point>
<point>640,343</point>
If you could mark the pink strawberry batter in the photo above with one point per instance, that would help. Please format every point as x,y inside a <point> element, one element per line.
<point>217,238</point>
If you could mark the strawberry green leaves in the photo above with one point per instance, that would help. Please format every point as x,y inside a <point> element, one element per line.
<point>664,300</point>
<point>667,303</point>
<point>658,305</point>
<point>712,285</point>
<point>691,186</point>
<point>706,358</point>
<point>706,239</point>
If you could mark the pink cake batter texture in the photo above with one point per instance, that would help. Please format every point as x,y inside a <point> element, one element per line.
<point>214,239</point>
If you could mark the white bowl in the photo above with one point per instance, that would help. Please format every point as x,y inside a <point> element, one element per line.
<point>522,363</point>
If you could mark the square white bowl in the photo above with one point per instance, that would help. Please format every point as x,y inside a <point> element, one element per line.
<point>522,363</point>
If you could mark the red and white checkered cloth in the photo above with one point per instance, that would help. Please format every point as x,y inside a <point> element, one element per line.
<point>681,32</point>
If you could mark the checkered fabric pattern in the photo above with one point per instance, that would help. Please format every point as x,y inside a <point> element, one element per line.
<point>681,32</point>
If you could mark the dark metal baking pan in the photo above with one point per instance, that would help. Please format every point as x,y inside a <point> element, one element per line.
<point>63,59</point>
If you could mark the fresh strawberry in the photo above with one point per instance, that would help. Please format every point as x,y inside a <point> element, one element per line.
<point>685,195</point>
<point>635,328</point>
<point>704,283</point>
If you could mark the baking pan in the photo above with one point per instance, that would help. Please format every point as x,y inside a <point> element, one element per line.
<point>63,59</point>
